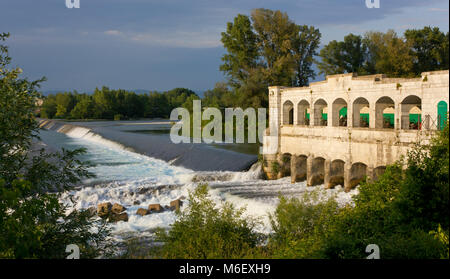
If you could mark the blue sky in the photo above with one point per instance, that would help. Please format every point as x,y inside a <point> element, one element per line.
<point>162,44</point>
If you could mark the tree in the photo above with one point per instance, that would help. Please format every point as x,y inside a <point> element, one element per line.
<point>104,103</point>
<point>348,56</point>
<point>268,49</point>
<point>242,51</point>
<point>305,48</point>
<point>389,54</point>
<point>84,108</point>
<point>64,104</point>
<point>33,223</point>
<point>48,108</point>
<point>275,33</point>
<point>430,48</point>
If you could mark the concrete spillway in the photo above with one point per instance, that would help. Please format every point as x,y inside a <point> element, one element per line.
<point>197,157</point>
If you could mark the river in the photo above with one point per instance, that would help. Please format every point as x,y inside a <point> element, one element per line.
<point>136,180</point>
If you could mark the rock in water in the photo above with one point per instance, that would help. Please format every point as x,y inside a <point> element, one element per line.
<point>104,209</point>
<point>117,208</point>
<point>176,204</point>
<point>118,217</point>
<point>155,208</point>
<point>142,212</point>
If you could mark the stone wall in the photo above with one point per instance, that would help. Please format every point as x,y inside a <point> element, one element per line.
<point>341,150</point>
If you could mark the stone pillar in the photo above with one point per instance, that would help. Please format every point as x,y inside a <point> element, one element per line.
<point>372,116</point>
<point>295,115</point>
<point>309,170</point>
<point>294,169</point>
<point>397,117</point>
<point>312,117</point>
<point>378,116</point>
<point>370,173</point>
<point>327,173</point>
<point>281,166</point>
<point>347,176</point>
<point>404,116</point>
<point>333,117</point>
<point>268,161</point>
<point>350,115</point>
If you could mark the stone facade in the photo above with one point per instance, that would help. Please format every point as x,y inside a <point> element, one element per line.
<point>367,125</point>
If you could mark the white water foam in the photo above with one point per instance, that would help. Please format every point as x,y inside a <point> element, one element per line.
<point>136,181</point>
<point>87,134</point>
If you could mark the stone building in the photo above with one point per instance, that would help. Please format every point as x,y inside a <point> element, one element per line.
<point>338,131</point>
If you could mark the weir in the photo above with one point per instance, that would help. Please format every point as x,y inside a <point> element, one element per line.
<point>349,128</point>
<point>194,156</point>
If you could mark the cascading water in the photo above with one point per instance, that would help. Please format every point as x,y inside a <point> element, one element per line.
<point>135,181</point>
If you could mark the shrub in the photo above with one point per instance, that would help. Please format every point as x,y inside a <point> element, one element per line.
<point>300,226</point>
<point>207,231</point>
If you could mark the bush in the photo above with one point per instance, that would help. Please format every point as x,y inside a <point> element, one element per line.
<point>207,231</point>
<point>300,226</point>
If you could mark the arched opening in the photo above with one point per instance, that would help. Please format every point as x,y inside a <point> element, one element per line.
<point>320,113</point>
<point>298,168</point>
<point>389,118</point>
<point>384,113</point>
<point>415,118</point>
<point>411,114</point>
<point>303,113</point>
<point>358,172</point>
<point>361,113</point>
<point>288,113</point>
<point>442,113</point>
<point>308,116</point>
<point>339,117</point>
<point>317,172</point>
<point>336,173</point>
<point>377,172</point>
<point>286,164</point>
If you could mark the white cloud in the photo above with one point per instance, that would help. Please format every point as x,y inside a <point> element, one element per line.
<point>179,39</point>
<point>438,10</point>
<point>113,32</point>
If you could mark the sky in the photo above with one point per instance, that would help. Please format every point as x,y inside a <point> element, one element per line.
<point>163,44</point>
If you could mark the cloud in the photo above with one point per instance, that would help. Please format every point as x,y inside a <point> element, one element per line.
<point>185,39</point>
<point>113,32</point>
<point>438,10</point>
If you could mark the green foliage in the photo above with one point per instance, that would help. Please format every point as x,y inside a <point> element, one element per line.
<point>398,211</point>
<point>207,231</point>
<point>348,56</point>
<point>275,167</point>
<point>241,44</point>
<point>389,54</point>
<point>115,104</point>
<point>405,212</point>
<point>306,44</point>
<point>377,52</point>
<point>33,224</point>
<point>424,193</point>
<point>300,227</point>
<point>430,46</point>
<point>266,49</point>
